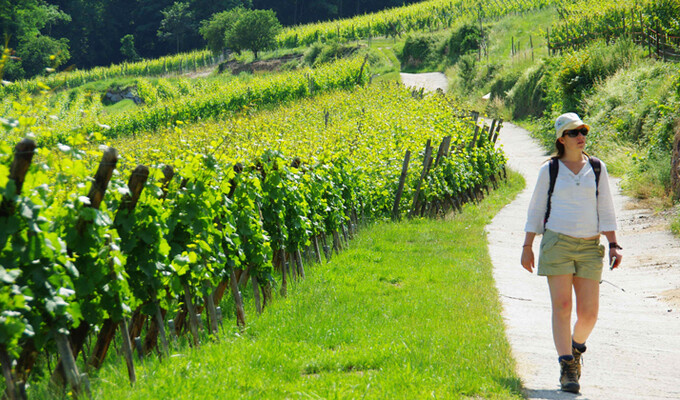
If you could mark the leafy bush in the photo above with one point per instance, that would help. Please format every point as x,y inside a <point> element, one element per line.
<point>322,53</point>
<point>467,70</point>
<point>417,50</point>
<point>312,53</point>
<point>463,40</point>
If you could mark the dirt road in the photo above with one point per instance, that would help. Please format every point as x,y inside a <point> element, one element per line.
<point>634,351</point>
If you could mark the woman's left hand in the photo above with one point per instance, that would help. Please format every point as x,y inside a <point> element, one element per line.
<point>614,253</point>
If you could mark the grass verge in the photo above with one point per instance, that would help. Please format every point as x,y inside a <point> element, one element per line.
<point>409,311</point>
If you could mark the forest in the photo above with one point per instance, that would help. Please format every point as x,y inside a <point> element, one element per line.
<point>87,33</point>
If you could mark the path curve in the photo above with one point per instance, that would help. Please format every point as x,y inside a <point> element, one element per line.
<point>430,81</point>
<point>634,351</point>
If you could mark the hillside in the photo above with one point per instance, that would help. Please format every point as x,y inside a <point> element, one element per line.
<point>182,204</point>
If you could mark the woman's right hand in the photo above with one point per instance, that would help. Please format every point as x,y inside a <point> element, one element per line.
<point>528,258</point>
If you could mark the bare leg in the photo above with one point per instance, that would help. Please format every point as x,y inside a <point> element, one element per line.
<point>560,296</point>
<point>587,307</point>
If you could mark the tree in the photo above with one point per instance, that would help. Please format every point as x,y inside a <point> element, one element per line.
<point>214,29</point>
<point>255,30</point>
<point>39,52</point>
<point>23,23</point>
<point>127,48</point>
<point>177,21</point>
<point>206,9</point>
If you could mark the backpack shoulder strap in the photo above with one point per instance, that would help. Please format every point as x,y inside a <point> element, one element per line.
<point>597,168</point>
<point>553,169</point>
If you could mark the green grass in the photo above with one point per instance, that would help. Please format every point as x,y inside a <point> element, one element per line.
<point>120,107</point>
<point>523,29</point>
<point>409,311</point>
<point>501,65</point>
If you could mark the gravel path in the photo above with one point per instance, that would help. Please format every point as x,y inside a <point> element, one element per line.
<point>634,351</point>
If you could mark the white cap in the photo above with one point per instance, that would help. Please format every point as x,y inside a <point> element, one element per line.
<point>566,122</point>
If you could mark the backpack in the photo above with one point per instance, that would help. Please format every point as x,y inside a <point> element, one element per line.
<point>554,167</point>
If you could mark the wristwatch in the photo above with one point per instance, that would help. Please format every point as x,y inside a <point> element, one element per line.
<point>614,245</point>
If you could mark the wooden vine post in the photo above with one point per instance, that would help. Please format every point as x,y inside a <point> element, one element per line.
<point>400,188</point>
<point>232,281</point>
<point>474,138</point>
<point>193,320</point>
<point>489,132</point>
<point>96,195</point>
<point>497,131</point>
<point>317,250</point>
<point>107,332</point>
<point>240,311</point>
<point>441,153</point>
<point>157,326</point>
<point>423,174</point>
<point>208,299</point>
<point>127,351</point>
<point>298,260</point>
<point>675,167</point>
<point>68,363</point>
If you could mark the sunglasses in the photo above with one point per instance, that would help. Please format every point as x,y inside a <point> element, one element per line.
<point>574,132</point>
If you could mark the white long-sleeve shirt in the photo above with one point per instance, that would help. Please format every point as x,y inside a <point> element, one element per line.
<point>575,209</point>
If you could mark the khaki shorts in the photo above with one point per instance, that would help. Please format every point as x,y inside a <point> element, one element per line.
<point>565,255</point>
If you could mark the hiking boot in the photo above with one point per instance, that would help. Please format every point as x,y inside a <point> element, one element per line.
<point>569,376</point>
<point>579,361</point>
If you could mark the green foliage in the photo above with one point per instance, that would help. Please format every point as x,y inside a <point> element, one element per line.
<point>578,71</point>
<point>171,100</point>
<point>350,329</point>
<point>71,79</point>
<point>424,16</point>
<point>610,20</point>
<point>467,70</point>
<point>463,40</point>
<point>320,53</point>
<point>38,53</point>
<point>82,265</point>
<point>214,30</point>
<point>127,48</point>
<point>529,92</point>
<point>419,49</point>
<point>178,20</point>
<point>312,53</point>
<point>254,30</point>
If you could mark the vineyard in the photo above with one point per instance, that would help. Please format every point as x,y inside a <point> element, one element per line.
<point>652,24</point>
<point>178,63</point>
<point>209,208</point>
<point>427,15</point>
<point>168,101</point>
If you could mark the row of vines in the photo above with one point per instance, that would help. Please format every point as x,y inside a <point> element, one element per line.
<point>215,208</point>
<point>177,63</point>
<point>646,21</point>
<point>427,15</point>
<point>60,116</point>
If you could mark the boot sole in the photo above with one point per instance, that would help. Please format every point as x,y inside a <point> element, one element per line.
<point>571,387</point>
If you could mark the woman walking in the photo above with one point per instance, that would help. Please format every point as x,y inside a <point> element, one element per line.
<point>571,206</point>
